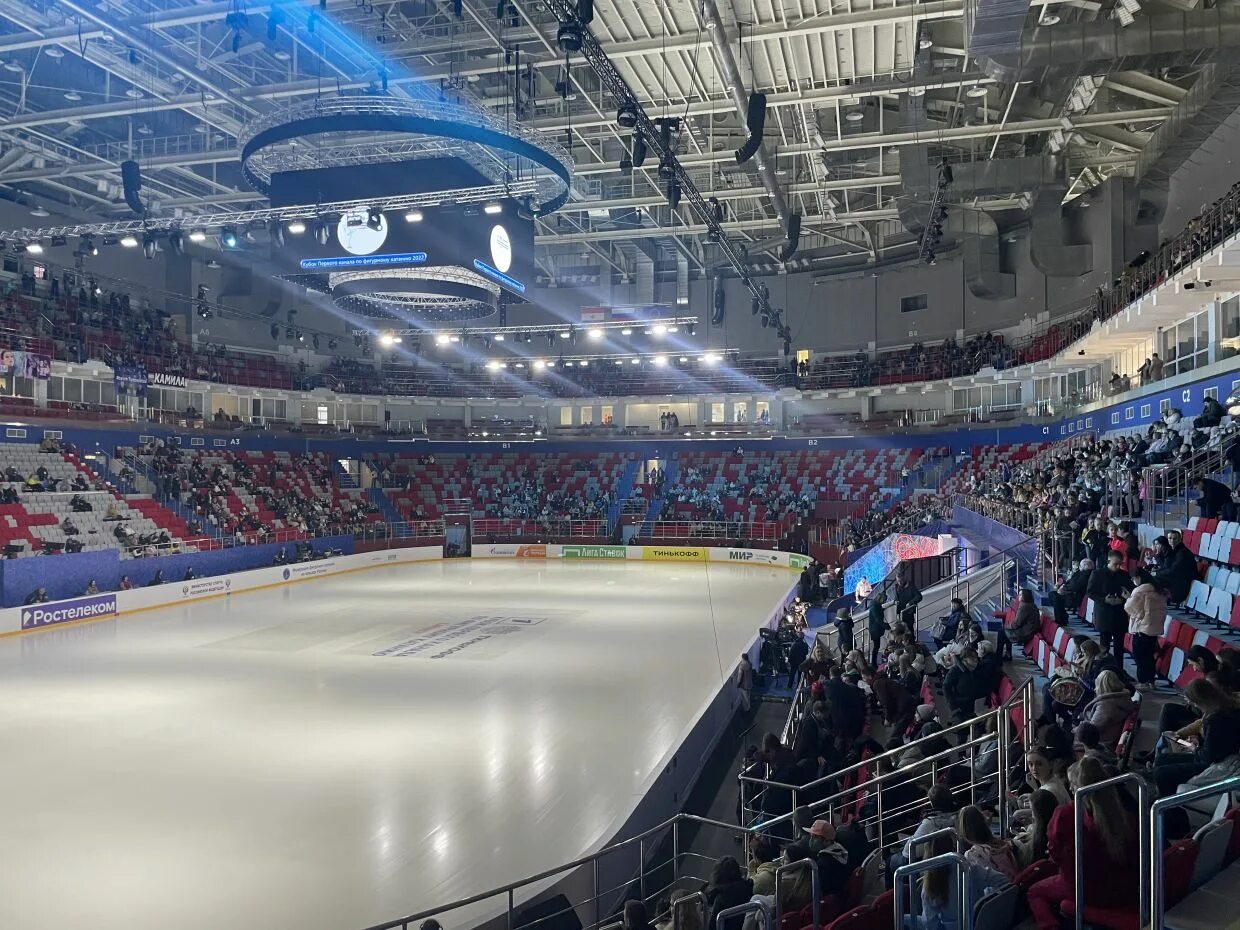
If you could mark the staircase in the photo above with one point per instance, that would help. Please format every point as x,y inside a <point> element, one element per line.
<point>386,507</point>
<point>345,479</point>
<point>621,492</point>
<point>144,483</point>
<point>671,472</point>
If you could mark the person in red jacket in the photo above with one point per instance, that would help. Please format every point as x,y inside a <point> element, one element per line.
<point>1111,850</point>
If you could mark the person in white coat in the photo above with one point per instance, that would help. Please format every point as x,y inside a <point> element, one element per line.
<point>1147,616</point>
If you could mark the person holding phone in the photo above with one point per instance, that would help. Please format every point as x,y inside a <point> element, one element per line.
<point>1178,759</point>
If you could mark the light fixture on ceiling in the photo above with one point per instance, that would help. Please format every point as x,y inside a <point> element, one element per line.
<point>14,66</point>
<point>201,129</point>
<point>54,51</point>
<point>492,208</point>
<point>134,94</point>
<point>499,337</point>
<point>855,115</point>
<point>977,90</point>
<point>212,263</point>
<point>413,216</point>
<point>72,96</point>
<point>626,331</point>
<point>916,91</point>
<point>925,42</point>
<point>660,360</point>
<point>144,130</point>
<point>35,247</point>
<point>39,210</point>
<point>197,235</point>
<point>129,241</point>
<point>281,55</point>
<point>296,227</point>
<point>595,334</point>
<point>1048,18</point>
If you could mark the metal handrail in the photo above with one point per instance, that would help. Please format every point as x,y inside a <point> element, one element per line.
<point>915,844</point>
<point>1078,830</point>
<point>957,862</point>
<point>1157,893</point>
<point>798,866</point>
<point>748,907</point>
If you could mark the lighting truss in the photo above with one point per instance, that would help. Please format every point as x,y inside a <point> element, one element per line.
<point>618,87</point>
<point>581,329</point>
<point>245,218</point>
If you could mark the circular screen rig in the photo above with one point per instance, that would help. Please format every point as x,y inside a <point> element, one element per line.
<point>357,130</point>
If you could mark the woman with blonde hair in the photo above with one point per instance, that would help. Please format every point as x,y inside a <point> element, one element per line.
<point>1110,708</point>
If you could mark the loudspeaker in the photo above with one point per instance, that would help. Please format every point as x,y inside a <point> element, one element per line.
<point>718,304</point>
<point>639,150</point>
<point>131,181</point>
<point>794,237</point>
<point>755,122</point>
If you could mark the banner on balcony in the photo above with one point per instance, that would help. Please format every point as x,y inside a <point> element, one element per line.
<point>162,379</point>
<point>130,380</point>
<point>25,364</point>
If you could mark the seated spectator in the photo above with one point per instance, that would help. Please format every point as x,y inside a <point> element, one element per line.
<point>795,886</point>
<point>68,528</point>
<point>1031,843</point>
<point>1179,760</point>
<point>1110,708</point>
<point>1111,849</point>
<point>942,814</point>
<point>727,888</point>
<point>126,584</point>
<point>834,861</point>
<point>37,596</point>
<point>762,865</point>
<point>1027,623</point>
<point>984,848</point>
<point>157,579</point>
<point>635,916</point>
<point>1071,592</point>
<point>1180,569</point>
<point>951,623</point>
<point>1089,743</point>
<point>91,588</point>
<point>939,890</point>
<point>79,504</point>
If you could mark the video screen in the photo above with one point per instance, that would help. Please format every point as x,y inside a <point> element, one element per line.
<point>497,244</point>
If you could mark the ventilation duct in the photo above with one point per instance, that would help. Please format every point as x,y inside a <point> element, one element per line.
<point>643,293</point>
<point>1074,45</point>
<point>1214,97</point>
<point>1048,250</point>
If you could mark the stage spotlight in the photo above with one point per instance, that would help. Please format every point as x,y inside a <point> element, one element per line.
<point>197,235</point>
<point>203,290</point>
<point>667,167</point>
<point>35,247</point>
<point>296,228</point>
<point>595,334</point>
<point>413,216</point>
<point>493,208</point>
<point>88,246</point>
<point>374,218</point>
<point>176,242</point>
<point>626,165</point>
<point>569,38</point>
<point>228,237</point>
<point>442,339</point>
<point>321,233</point>
<point>129,241</point>
<point>499,337</point>
<point>626,116</point>
<point>276,231</point>
<point>673,193</point>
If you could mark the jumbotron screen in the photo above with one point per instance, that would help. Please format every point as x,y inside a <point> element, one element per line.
<point>498,245</point>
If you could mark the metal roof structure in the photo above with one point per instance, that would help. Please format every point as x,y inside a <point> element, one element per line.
<point>174,84</point>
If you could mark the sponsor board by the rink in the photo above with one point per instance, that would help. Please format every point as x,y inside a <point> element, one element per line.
<point>594,552</point>
<point>754,555</point>
<point>206,586</point>
<point>513,551</point>
<point>82,608</point>
<point>673,554</point>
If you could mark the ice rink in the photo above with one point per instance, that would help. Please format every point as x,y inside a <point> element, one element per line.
<point>332,754</point>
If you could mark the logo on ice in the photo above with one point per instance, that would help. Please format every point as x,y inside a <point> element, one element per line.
<point>82,608</point>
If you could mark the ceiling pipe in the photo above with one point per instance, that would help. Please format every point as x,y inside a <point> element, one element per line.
<point>740,99</point>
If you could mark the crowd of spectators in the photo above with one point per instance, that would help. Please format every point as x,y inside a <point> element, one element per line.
<point>208,488</point>
<point>763,483</point>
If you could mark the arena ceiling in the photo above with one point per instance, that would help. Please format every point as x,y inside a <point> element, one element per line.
<point>87,84</point>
